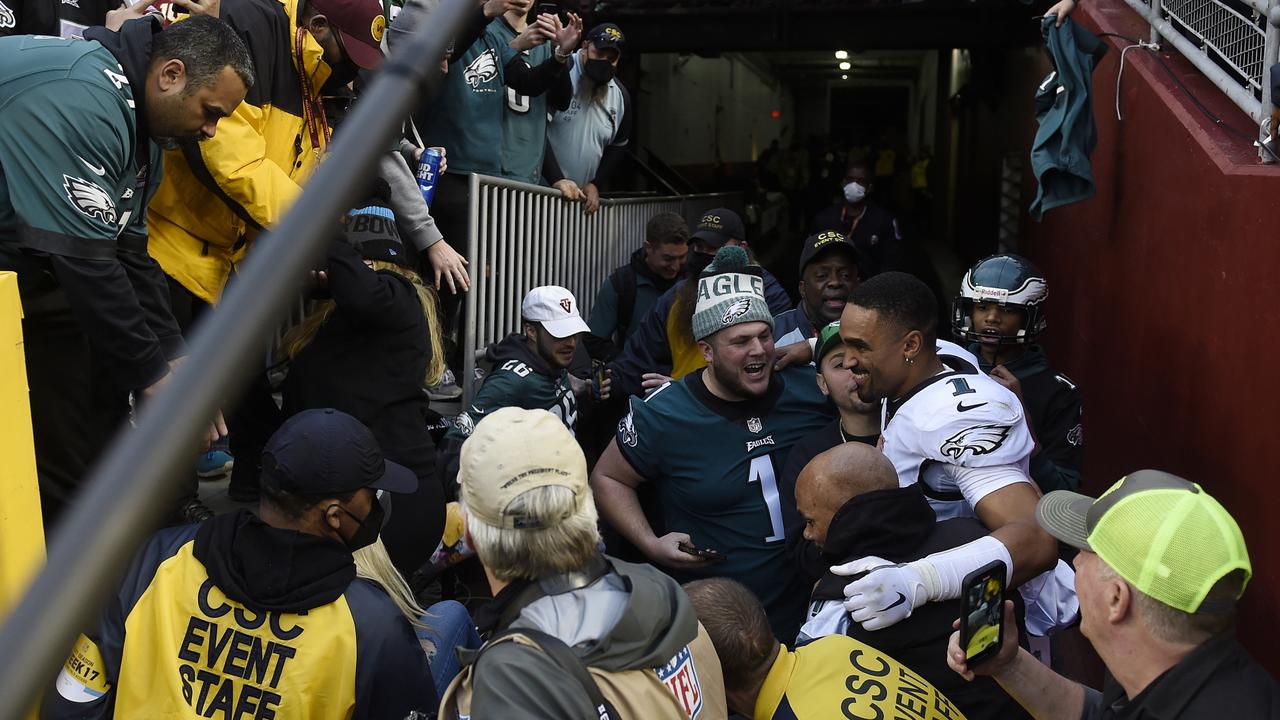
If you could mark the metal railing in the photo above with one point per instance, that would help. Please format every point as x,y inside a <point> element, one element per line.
<point>521,236</point>
<point>1233,42</point>
<point>133,485</point>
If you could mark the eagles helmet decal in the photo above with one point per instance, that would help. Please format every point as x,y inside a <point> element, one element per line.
<point>90,199</point>
<point>979,439</point>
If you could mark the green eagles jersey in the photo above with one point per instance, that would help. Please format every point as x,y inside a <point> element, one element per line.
<point>716,464</point>
<point>524,122</point>
<point>516,384</point>
<point>78,195</point>
<point>466,115</point>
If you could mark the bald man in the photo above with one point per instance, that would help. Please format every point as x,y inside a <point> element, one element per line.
<point>852,507</point>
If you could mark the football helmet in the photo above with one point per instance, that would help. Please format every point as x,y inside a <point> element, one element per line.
<point>1007,280</point>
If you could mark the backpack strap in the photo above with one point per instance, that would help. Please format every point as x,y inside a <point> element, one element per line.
<point>561,655</point>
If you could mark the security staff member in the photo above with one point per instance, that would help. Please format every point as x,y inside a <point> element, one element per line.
<point>79,159</point>
<point>262,615</point>
<point>872,229</point>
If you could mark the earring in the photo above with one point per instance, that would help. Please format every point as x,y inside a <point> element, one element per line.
<point>910,360</point>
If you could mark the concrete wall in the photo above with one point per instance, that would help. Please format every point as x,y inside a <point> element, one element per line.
<point>717,109</point>
<point>1165,295</point>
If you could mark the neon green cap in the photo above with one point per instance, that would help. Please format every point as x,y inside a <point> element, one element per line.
<point>1163,534</point>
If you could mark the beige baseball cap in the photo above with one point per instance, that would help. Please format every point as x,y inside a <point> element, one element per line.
<point>511,452</point>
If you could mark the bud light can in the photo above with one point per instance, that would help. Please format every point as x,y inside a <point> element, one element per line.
<point>428,173</point>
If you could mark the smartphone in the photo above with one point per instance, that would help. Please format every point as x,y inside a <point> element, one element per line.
<point>708,553</point>
<point>982,611</point>
<point>548,8</point>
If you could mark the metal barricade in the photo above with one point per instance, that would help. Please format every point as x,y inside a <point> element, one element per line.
<point>522,236</point>
<point>1233,42</point>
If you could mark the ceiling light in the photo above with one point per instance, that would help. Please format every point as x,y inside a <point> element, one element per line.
<point>842,54</point>
<point>845,66</point>
<point>844,77</point>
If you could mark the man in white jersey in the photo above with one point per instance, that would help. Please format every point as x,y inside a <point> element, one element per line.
<point>951,428</point>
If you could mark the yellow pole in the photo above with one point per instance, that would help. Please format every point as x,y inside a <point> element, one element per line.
<point>21,530</point>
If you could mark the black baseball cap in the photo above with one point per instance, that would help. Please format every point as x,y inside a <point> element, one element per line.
<point>718,226</point>
<point>825,241</point>
<point>323,451</point>
<point>607,35</point>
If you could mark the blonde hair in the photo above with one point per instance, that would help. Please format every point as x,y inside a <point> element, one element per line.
<point>301,335</point>
<point>530,553</point>
<point>374,564</point>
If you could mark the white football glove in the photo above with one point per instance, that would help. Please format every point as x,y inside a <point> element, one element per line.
<point>885,596</point>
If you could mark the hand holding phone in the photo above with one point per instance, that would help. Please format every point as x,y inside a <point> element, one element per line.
<point>708,553</point>
<point>982,612</point>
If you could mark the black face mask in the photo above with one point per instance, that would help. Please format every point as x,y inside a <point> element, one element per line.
<point>599,71</point>
<point>340,76</point>
<point>697,263</point>
<point>367,532</point>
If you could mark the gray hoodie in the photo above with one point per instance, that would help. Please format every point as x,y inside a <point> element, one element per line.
<point>633,618</point>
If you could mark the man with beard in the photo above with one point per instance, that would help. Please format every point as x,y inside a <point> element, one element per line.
<point>964,438</point>
<point>79,161</point>
<point>530,369</point>
<point>217,196</point>
<point>662,346</point>
<point>586,141</point>
<point>858,422</point>
<point>711,443</point>
<point>828,273</point>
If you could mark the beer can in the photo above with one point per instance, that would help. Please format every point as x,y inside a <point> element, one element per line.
<point>428,173</point>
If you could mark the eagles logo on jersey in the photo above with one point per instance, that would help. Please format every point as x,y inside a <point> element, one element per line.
<point>481,70</point>
<point>90,199</point>
<point>7,18</point>
<point>980,440</point>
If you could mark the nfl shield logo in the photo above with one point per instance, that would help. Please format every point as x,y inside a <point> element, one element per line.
<point>681,678</point>
<point>754,425</point>
<point>567,304</point>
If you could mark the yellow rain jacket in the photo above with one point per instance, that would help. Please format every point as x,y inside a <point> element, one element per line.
<point>217,195</point>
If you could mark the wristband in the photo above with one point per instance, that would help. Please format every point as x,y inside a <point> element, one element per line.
<point>943,572</point>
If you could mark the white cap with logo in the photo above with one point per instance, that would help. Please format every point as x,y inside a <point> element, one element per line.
<point>554,307</point>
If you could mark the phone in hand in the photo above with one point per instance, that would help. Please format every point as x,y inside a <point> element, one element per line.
<point>982,612</point>
<point>708,553</point>
<point>548,8</point>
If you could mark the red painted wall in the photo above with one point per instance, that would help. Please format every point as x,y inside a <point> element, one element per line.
<point>1165,301</point>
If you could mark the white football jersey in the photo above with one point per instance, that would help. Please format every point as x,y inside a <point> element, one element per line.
<point>958,420</point>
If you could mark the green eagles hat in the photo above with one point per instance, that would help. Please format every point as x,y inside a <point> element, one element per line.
<point>730,292</point>
<point>1164,535</point>
<point>828,340</point>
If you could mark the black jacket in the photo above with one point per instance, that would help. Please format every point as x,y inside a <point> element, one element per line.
<point>875,234</point>
<point>808,559</point>
<point>1054,408</point>
<point>900,526</point>
<point>369,360</point>
<point>235,614</point>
